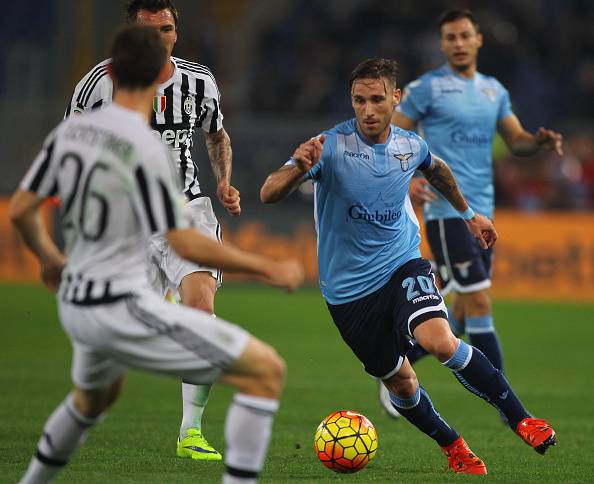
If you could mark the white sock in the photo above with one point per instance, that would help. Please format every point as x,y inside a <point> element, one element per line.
<point>247,434</point>
<point>63,433</point>
<point>194,399</point>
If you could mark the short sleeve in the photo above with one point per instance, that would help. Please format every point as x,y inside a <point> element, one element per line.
<point>425,159</point>
<point>315,174</point>
<point>161,205</point>
<point>212,117</point>
<point>505,108</point>
<point>416,99</point>
<point>41,175</point>
<point>93,91</point>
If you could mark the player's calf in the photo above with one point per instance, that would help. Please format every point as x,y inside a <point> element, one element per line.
<point>478,375</point>
<point>63,433</point>
<point>259,375</point>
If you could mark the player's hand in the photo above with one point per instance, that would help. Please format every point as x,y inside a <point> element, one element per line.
<point>51,273</point>
<point>229,197</point>
<point>309,153</point>
<point>483,230</point>
<point>419,191</point>
<point>288,274</point>
<point>549,140</point>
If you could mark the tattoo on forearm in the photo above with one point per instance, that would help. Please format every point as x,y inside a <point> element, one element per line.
<point>220,154</point>
<point>442,179</point>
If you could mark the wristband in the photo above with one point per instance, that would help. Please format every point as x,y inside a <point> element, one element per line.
<point>467,214</point>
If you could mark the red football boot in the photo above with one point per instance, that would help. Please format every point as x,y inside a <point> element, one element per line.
<point>462,460</point>
<point>537,433</point>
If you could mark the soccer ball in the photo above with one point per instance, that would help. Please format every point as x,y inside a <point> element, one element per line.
<point>345,441</point>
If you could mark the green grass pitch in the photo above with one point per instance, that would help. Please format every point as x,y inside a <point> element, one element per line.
<point>549,359</point>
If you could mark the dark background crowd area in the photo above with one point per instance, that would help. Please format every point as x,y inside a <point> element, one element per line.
<point>283,65</point>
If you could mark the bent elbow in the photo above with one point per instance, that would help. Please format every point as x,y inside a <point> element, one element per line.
<point>266,195</point>
<point>16,213</point>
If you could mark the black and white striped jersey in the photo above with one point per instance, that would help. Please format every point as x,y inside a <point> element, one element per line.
<point>117,185</point>
<point>189,99</point>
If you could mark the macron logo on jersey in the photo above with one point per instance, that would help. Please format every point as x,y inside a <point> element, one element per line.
<point>360,156</point>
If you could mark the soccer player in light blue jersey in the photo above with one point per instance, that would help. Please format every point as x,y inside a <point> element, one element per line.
<point>458,110</point>
<point>378,289</point>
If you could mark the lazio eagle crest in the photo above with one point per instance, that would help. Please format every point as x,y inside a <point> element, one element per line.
<point>403,157</point>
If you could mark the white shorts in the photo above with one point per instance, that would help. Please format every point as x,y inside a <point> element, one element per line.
<point>166,269</point>
<point>145,332</point>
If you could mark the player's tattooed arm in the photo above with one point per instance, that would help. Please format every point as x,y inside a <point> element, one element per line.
<point>442,179</point>
<point>440,176</point>
<point>219,151</point>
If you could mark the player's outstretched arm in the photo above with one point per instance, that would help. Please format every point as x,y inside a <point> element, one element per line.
<point>442,179</point>
<point>220,153</point>
<point>192,245</point>
<point>522,143</point>
<point>284,181</point>
<point>24,214</point>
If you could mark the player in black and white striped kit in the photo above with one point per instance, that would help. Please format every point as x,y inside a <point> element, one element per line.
<point>187,99</point>
<point>117,187</point>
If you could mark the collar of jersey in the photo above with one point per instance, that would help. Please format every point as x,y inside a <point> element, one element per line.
<point>458,76</point>
<point>369,143</point>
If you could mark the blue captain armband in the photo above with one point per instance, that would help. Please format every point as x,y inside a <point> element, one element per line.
<point>467,214</point>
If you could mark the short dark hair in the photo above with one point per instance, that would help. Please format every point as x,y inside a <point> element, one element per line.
<point>376,68</point>
<point>137,56</point>
<point>152,6</point>
<point>456,14</point>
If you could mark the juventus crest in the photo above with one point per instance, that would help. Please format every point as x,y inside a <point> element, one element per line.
<point>189,105</point>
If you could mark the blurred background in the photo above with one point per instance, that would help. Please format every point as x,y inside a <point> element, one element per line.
<point>282,68</point>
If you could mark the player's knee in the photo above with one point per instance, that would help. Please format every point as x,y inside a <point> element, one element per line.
<point>271,377</point>
<point>442,346</point>
<point>93,403</point>
<point>479,304</point>
<point>197,290</point>
<point>204,301</point>
<point>199,301</point>
<point>260,371</point>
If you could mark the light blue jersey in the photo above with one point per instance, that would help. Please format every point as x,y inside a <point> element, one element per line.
<point>458,119</point>
<point>365,222</point>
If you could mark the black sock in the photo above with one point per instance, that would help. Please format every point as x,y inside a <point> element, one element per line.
<point>420,412</point>
<point>479,376</point>
<point>482,335</point>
